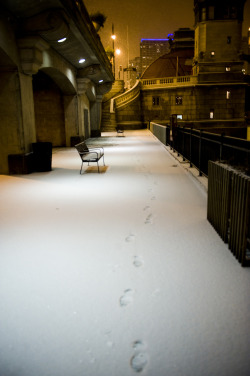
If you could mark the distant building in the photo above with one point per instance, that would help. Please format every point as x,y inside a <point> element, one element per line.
<point>204,82</point>
<point>151,49</point>
<point>136,63</point>
<point>182,38</point>
<point>129,77</point>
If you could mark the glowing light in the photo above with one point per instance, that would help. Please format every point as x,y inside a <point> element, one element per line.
<point>81,61</point>
<point>113,36</point>
<point>100,81</point>
<point>118,51</point>
<point>61,40</point>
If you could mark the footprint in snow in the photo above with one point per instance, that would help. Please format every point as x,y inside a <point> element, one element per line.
<point>140,359</point>
<point>130,238</point>
<point>127,298</point>
<point>138,261</point>
<point>149,219</point>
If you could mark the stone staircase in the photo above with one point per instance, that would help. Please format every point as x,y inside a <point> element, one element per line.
<point>108,121</point>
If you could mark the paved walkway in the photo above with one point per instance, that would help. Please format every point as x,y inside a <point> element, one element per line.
<point>119,272</point>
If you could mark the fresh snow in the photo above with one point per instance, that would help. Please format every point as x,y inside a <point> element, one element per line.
<point>117,273</point>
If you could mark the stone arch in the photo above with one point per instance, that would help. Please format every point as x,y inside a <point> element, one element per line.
<point>61,80</point>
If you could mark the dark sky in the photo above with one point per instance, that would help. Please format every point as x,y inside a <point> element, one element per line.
<point>145,19</point>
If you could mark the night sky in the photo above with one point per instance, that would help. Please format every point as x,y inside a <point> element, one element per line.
<point>144,19</point>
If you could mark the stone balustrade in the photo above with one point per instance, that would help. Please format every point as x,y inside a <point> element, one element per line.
<point>128,96</point>
<point>167,81</point>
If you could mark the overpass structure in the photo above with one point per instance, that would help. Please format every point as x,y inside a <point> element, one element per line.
<point>54,72</point>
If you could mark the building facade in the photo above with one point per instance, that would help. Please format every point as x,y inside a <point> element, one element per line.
<point>206,86</point>
<point>54,72</point>
<point>150,50</point>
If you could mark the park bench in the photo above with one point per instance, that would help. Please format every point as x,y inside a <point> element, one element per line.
<point>89,154</point>
<point>120,131</point>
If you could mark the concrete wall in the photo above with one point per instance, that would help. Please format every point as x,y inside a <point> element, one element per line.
<point>159,131</point>
<point>167,104</point>
<point>49,111</point>
<point>214,97</point>
<point>129,112</point>
<point>196,103</point>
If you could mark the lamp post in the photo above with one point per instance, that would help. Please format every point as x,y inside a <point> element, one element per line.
<point>113,37</point>
<point>118,52</point>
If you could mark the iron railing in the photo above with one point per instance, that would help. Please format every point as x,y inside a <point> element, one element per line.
<point>199,147</point>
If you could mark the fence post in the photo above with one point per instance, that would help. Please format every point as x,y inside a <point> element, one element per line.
<point>200,139</point>
<point>190,147</point>
<point>178,140</point>
<point>183,145</point>
<point>221,145</point>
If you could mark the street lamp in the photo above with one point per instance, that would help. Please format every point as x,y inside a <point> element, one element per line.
<point>113,36</point>
<point>118,52</point>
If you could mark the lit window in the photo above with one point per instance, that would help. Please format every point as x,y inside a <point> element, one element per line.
<point>228,94</point>
<point>228,69</point>
<point>178,100</point>
<point>211,115</point>
<point>155,101</point>
<point>179,117</point>
<point>212,53</point>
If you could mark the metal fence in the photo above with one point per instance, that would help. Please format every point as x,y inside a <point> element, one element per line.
<point>228,208</point>
<point>199,147</point>
<point>226,162</point>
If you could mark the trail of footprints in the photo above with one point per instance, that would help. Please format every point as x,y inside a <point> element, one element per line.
<point>139,359</point>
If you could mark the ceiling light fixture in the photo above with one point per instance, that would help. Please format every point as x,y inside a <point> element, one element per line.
<point>81,61</point>
<point>61,40</point>
<point>100,81</point>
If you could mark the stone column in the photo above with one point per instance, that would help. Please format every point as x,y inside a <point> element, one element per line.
<point>83,85</point>
<point>96,116</point>
<point>31,58</point>
<point>71,119</point>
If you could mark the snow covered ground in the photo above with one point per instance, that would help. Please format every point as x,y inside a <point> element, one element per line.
<point>117,273</point>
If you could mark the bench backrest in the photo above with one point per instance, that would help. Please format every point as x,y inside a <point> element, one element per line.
<point>82,147</point>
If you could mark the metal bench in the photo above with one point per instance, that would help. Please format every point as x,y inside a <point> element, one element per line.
<point>120,131</point>
<point>88,155</point>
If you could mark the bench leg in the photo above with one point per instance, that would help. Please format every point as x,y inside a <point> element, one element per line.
<point>81,169</point>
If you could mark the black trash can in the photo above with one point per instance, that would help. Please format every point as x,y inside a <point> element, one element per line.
<point>42,154</point>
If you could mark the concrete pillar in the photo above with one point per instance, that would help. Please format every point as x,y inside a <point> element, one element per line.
<point>27,112</point>
<point>96,116</point>
<point>71,118</point>
<point>83,85</point>
<point>17,126</point>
